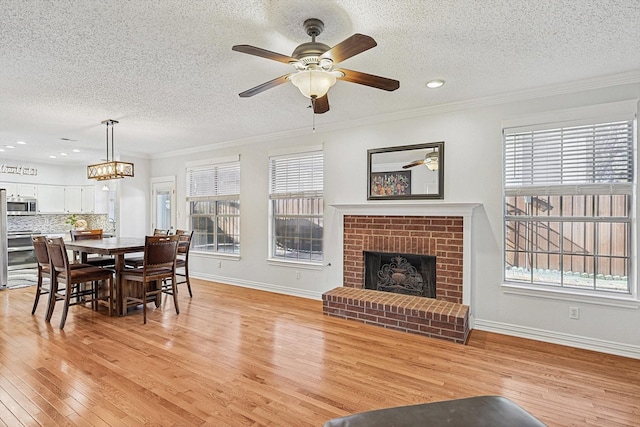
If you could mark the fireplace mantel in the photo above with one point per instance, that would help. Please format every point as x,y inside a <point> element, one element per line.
<point>427,209</point>
<point>408,209</point>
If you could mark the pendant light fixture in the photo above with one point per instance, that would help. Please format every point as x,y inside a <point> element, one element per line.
<point>110,169</point>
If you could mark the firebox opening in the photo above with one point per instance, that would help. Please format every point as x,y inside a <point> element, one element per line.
<point>408,274</point>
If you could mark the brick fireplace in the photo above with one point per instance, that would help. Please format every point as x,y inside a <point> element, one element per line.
<point>443,232</point>
<point>440,236</point>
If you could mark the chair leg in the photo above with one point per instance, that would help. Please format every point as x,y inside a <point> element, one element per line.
<point>186,275</point>
<point>96,288</point>
<point>144,303</point>
<point>111,299</point>
<point>52,298</point>
<point>157,285</point>
<point>67,300</point>
<point>174,288</point>
<point>38,292</point>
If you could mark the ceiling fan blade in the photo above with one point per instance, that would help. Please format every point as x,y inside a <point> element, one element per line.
<point>264,86</point>
<point>414,163</point>
<point>347,48</point>
<point>321,105</point>
<point>369,80</point>
<point>252,50</point>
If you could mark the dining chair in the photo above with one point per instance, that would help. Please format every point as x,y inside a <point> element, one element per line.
<point>81,284</point>
<point>182,261</point>
<point>136,261</point>
<point>159,264</point>
<point>97,260</point>
<point>44,268</point>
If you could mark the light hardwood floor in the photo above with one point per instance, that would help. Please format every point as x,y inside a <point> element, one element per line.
<point>242,357</point>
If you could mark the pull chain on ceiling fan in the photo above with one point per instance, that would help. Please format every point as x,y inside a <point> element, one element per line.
<point>314,74</point>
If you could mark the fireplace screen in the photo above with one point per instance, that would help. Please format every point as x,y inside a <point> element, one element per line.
<point>408,274</point>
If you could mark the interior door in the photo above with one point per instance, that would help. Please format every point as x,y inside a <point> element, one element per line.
<point>163,201</point>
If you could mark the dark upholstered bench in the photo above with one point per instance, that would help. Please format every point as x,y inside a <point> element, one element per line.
<point>489,411</point>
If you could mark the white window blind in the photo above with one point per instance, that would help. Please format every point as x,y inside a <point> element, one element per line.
<point>213,181</point>
<point>593,159</point>
<point>296,176</point>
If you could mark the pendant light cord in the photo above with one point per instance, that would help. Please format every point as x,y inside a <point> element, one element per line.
<point>313,115</point>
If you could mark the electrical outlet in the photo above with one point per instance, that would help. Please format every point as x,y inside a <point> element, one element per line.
<point>297,274</point>
<point>219,264</point>
<point>574,313</point>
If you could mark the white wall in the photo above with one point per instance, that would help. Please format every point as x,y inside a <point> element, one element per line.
<point>133,200</point>
<point>473,173</point>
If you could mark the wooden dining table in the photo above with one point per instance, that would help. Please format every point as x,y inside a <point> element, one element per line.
<point>117,247</point>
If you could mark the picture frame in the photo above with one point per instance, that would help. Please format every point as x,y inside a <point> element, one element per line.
<point>417,171</point>
<point>396,183</point>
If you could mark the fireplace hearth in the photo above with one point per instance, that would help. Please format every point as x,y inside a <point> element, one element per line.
<point>407,274</point>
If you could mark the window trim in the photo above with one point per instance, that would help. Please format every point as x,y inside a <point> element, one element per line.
<point>623,110</point>
<point>299,194</point>
<point>221,194</point>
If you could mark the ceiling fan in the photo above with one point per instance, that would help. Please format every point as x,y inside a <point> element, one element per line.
<point>314,74</point>
<point>430,161</point>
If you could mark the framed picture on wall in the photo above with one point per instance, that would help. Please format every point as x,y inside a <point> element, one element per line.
<point>397,183</point>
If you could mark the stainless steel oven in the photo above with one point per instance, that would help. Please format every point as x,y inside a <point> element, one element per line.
<point>20,250</point>
<point>21,206</point>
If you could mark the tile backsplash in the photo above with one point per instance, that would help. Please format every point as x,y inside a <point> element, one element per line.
<point>56,223</point>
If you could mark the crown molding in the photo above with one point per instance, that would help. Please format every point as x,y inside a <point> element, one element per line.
<point>601,82</point>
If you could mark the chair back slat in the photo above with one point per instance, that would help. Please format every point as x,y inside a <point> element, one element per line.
<point>58,254</point>
<point>184,242</point>
<point>160,251</point>
<point>86,234</point>
<point>159,232</point>
<point>40,250</point>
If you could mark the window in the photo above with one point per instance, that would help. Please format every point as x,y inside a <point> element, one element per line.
<point>213,195</point>
<point>296,197</point>
<point>567,207</point>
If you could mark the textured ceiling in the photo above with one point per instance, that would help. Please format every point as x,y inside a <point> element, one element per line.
<point>166,71</point>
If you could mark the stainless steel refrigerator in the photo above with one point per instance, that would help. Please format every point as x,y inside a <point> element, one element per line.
<point>4,246</point>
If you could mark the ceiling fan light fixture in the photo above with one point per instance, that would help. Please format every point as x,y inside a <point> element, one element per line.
<point>431,161</point>
<point>432,166</point>
<point>313,83</point>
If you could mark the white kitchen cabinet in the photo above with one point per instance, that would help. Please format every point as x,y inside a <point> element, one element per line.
<point>73,199</point>
<point>10,187</point>
<point>54,199</point>
<point>26,190</point>
<point>19,190</point>
<point>51,199</point>
<point>88,201</point>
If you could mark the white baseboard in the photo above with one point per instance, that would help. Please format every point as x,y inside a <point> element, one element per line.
<point>576,341</point>
<point>260,286</point>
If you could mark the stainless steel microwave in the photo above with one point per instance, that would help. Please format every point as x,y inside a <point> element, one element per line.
<point>21,206</point>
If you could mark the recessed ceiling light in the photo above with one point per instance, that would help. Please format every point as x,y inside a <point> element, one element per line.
<point>63,154</point>
<point>52,156</point>
<point>20,142</point>
<point>1,149</point>
<point>10,146</point>
<point>434,84</point>
<point>75,150</point>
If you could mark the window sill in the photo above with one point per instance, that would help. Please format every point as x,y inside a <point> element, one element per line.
<point>621,301</point>
<point>220,255</point>
<point>295,264</point>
